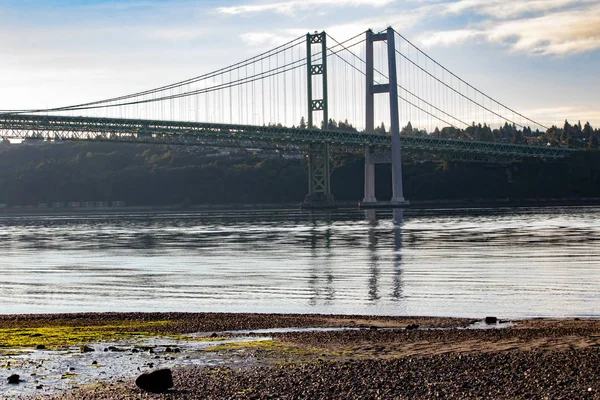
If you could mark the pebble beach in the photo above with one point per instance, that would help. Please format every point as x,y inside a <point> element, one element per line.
<point>348,357</point>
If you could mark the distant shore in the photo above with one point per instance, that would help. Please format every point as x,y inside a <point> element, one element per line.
<point>417,205</point>
<point>380,358</point>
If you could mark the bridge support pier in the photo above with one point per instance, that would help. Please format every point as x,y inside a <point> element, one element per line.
<point>391,88</point>
<point>319,185</point>
<point>369,178</point>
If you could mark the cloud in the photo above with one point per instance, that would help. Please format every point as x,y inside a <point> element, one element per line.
<point>407,20</point>
<point>558,33</point>
<point>556,115</point>
<point>448,38</point>
<point>562,33</point>
<point>506,9</point>
<point>291,8</point>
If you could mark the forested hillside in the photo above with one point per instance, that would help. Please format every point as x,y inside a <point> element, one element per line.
<point>161,175</point>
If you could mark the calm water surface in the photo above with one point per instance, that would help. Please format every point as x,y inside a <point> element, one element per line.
<point>509,263</point>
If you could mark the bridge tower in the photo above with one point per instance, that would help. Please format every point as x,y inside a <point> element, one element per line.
<point>319,186</point>
<point>391,88</point>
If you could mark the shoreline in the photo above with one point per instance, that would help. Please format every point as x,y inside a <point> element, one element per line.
<point>341,205</point>
<point>384,357</point>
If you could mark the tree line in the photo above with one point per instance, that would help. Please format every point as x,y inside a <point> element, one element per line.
<point>573,136</point>
<point>148,175</point>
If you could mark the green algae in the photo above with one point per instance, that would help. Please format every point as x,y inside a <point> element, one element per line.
<point>250,345</point>
<point>271,348</point>
<point>57,336</point>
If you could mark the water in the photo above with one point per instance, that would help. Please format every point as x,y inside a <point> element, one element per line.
<point>471,263</point>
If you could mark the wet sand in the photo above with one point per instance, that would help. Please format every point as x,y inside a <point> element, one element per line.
<point>539,358</point>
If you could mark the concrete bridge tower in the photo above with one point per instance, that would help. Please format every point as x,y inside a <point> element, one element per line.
<point>391,88</point>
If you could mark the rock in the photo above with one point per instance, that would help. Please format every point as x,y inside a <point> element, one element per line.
<point>158,381</point>
<point>214,335</point>
<point>14,379</point>
<point>86,349</point>
<point>412,327</point>
<point>94,362</point>
<point>373,328</point>
<point>491,320</point>
<point>40,347</point>
<point>39,387</point>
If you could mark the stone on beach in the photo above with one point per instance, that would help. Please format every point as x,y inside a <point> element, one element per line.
<point>14,379</point>
<point>158,381</point>
<point>491,320</point>
<point>86,349</point>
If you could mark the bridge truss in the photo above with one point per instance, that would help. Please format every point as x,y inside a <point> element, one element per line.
<point>63,128</point>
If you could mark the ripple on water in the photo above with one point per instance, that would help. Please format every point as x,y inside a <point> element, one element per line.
<point>465,263</point>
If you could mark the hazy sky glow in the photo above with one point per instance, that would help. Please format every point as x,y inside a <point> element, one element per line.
<point>540,57</point>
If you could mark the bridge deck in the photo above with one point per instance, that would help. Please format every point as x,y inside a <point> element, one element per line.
<point>19,126</point>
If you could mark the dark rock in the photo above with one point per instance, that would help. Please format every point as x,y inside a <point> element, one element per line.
<point>169,350</point>
<point>135,351</point>
<point>158,381</point>
<point>491,320</point>
<point>39,387</point>
<point>86,349</point>
<point>412,327</point>
<point>214,335</point>
<point>40,347</point>
<point>14,379</point>
<point>577,319</point>
<point>373,328</point>
<point>94,362</point>
<point>176,350</point>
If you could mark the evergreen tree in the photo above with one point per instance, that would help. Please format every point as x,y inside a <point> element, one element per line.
<point>302,123</point>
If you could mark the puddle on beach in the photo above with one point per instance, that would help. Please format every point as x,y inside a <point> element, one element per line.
<point>44,372</point>
<point>273,331</point>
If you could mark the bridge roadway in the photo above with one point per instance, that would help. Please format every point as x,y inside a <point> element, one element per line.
<point>20,126</point>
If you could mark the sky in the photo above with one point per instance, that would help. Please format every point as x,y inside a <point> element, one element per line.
<point>540,57</point>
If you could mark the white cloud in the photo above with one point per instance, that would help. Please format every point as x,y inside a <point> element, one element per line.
<point>293,7</point>
<point>558,33</point>
<point>557,115</point>
<point>407,20</point>
<point>447,38</point>
<point>503,9</point>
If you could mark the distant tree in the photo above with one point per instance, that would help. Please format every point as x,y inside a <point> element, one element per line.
<point>346,126</point>
<point>302,123</point>
<point>436,132</point>
<point>566,131</point>
<point>407,130</point>
<point>587,131</point>
<point>518,137</point>
<point>380,129</point>
<point>593,140</point>
<point>332,125</point>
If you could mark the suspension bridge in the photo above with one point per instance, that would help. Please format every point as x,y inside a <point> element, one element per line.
<point>289,99</point>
